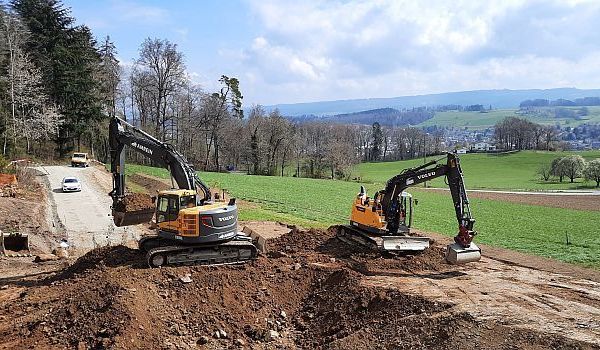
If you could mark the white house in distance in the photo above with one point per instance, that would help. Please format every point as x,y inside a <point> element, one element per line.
<point>461,151</point>
<point>483,146</point>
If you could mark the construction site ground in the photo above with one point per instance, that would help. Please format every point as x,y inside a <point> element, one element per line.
<point>308,291</point>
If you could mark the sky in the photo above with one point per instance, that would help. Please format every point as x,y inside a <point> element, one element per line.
<point>290,51</point>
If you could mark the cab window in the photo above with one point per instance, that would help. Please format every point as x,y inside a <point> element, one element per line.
<point>187,201</point>
<point>167,209</point>
<point>162,209</point>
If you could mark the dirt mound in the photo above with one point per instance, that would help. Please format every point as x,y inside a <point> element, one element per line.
<point>103,257</point>
<point>340,307</point>
<point>305,295</point>
<point>133,202</point>
<point>307,242</point>
<point>8,179</point>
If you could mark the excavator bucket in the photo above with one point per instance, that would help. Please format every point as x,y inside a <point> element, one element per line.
<point>457,254</point>
<point>135,217</point>
<point>14,244</point>
<point>404,243</point>
<point>133,209</point>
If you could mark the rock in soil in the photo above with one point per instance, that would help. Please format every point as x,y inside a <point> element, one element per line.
<point>45,257</point>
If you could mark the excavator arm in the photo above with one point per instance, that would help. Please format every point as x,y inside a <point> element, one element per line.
<point>390,201</point>
<point>122,134</point>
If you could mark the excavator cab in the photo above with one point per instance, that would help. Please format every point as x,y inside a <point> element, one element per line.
<point>169,204</point>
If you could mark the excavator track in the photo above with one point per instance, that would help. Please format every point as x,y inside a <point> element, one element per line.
<point>352,236</point>
<point>389,244</point>
<point>164,252</point>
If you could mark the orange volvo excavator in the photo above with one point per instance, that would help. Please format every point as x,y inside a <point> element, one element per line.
<point>383,222</point>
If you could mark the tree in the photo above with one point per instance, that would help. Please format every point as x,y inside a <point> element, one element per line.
<point>34,116</point>
<point>592,171</point>
<point>573,166</point>
<point>545,172</point>
<point>557,168</point>
<point>68,60</point>
<point>377,142</point>
<point>218,106</point>
<point>14,36</point>
<point>162,70</point>
<point>109,75</point>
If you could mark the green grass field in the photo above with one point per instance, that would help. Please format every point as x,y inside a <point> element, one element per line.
<point>320,203</point>
<point>478,120</point>
<point>487,171</point>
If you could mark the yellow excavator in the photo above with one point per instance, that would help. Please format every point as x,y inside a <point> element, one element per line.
<point>191,226</point>
<point>383,222</point>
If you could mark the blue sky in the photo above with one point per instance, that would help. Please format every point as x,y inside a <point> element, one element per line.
<point>298,51</point>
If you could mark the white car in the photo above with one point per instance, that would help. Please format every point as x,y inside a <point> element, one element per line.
<point>71,184</point>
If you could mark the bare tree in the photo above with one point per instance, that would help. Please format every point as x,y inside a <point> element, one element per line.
<point>163,71</point>
<point>14,36</point>
<point>33,116</point>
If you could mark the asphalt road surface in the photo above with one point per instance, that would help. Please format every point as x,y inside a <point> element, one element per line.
<point>85,215</point>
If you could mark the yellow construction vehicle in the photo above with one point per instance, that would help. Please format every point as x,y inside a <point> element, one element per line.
<point>80,159</point>
<point>192,228</point>
<point>383,222</point>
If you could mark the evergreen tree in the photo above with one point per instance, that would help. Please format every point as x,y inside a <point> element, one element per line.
<point>68,60</point>
<point>377,141</point>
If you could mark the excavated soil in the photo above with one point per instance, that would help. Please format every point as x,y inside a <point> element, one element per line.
<point>133,202</point>
<point>25,211</point>
<point>305,294</point>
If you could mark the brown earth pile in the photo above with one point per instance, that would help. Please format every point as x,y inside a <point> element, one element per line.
<point>8,179</point>
<point>307,294</point>
<point>133,202</point>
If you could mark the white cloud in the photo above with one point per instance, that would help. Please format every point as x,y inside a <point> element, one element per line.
<point>317,50</point>
<point>139,13</point>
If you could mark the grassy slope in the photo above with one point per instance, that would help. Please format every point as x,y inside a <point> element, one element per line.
<point>321,203</point>
<point>477,120</point>
<point>511,171</point>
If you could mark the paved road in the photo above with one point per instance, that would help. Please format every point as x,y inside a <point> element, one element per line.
<point>85,214</point>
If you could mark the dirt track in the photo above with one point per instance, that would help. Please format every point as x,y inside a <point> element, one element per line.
<point>579,201</point>
<point>85,215</point>
<point>332,297</point>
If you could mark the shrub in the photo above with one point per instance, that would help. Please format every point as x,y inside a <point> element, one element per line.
<point>592,171</point>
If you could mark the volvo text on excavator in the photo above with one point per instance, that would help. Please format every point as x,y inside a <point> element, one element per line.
<point>192,228</point>
<point>383,222</point>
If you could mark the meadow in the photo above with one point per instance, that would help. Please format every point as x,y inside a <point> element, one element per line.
<point>321,203</point>
<point>514,171</point>
<point>479,120</point>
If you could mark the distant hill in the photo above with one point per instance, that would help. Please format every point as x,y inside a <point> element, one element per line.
<point>384,116</point>
<point>495,98</point>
